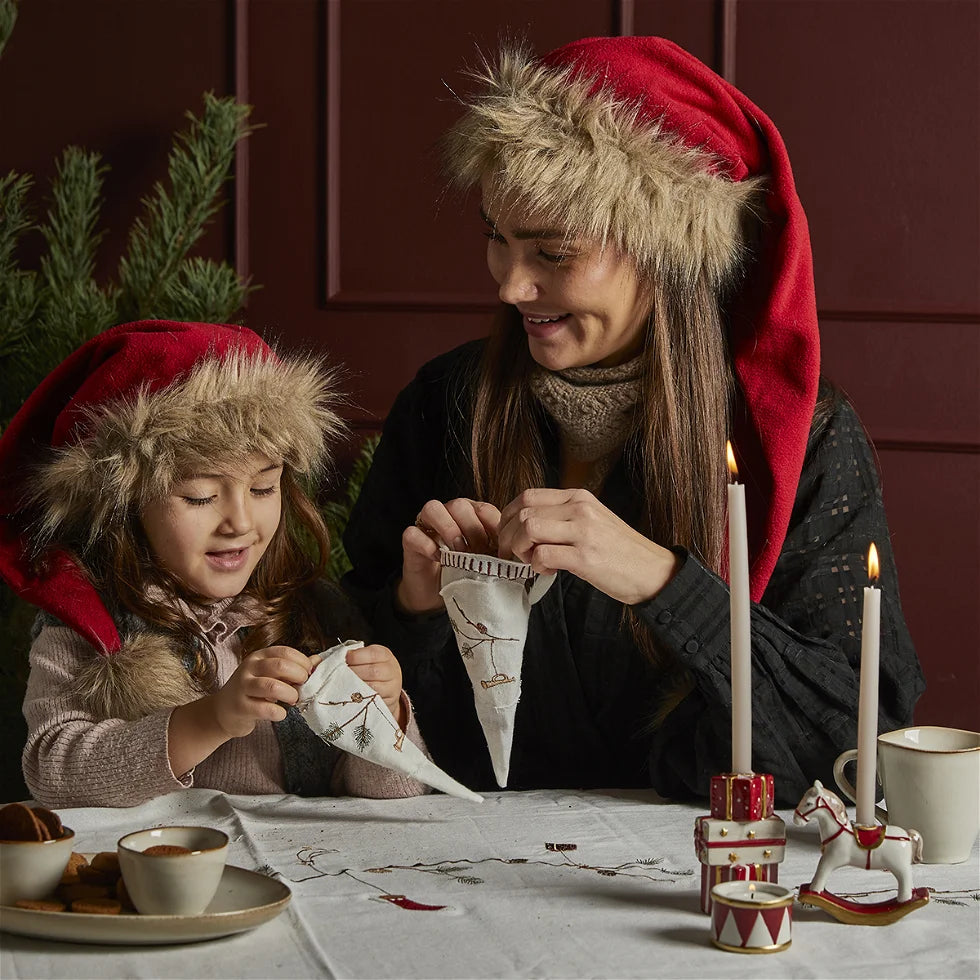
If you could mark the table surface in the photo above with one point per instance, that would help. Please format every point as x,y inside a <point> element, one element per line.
<point>622,902</point>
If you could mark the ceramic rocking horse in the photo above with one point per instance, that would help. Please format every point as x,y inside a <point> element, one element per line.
<point>886,848</point>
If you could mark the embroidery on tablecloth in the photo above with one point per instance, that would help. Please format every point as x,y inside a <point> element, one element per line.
<point>459,871</point>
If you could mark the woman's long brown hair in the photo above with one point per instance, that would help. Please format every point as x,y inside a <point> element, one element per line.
<point>677,448</point>
<point>676,451</point>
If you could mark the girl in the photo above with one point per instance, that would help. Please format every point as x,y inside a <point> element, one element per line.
<point>153,510</point>
<point>654,264</point>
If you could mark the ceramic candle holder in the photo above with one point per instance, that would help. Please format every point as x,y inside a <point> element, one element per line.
<point>879,847</point>
<point>751,917</point>
<point>742,839</point>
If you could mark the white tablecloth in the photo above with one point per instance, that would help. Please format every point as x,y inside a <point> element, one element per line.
<point>622,903</point>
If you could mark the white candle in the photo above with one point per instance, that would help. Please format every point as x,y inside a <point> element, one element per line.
<point>867,746</point>
<point>741,653</point>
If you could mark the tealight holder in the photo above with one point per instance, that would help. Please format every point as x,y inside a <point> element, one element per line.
<point>751,917</point>
<point>742,840</point>
<point>879,847</point>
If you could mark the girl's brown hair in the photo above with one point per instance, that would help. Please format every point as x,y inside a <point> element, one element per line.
<point>128,576</point>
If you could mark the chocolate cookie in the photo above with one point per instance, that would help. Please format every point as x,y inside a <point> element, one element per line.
<point>40,904</point>
<point>166,850</point>
<point>17,822</point>
<point>97,906</point>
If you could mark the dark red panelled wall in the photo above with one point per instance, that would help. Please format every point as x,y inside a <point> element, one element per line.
<point>338,212</point>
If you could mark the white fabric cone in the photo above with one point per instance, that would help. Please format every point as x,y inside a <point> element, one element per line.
<point>347,712</point>
<point>489,601</point>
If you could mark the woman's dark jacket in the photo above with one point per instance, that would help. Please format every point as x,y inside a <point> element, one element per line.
<point>588,694</point>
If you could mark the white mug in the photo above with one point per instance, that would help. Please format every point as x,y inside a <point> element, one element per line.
<point>931,780</point>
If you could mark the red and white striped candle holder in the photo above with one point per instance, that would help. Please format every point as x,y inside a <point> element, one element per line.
<point>751,917</point>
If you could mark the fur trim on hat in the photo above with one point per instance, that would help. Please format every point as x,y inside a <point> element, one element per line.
<point>547,141</point>
<point>144,676</point>
<point>132,450</point>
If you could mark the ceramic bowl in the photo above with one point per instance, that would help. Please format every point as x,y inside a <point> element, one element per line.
<point>31,869</point>
<point>172,884</point>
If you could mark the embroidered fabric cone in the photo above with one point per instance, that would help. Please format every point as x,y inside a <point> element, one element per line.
<point>345,711</point>
<point>489,601</point>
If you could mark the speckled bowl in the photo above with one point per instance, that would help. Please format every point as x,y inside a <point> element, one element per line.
<point>172,884</point>
<point>31,869</point>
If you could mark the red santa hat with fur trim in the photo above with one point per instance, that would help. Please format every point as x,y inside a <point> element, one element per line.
<point>633,141</point>
<point>119,422</point>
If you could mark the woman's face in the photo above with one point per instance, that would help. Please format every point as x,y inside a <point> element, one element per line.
<point>213,528</point>
<point>580,304</point>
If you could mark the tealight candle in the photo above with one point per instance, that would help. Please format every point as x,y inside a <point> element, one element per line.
<point>751,916</point>
<point>739,606</point>
<point>867,747</point>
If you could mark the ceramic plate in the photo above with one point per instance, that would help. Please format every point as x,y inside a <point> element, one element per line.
<point>244,900</point>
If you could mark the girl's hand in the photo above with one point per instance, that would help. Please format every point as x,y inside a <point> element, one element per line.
<point>462,525</point>
<point>376,666</point>
<point>571,530</point>
<point>263,682</point>
<point>253,693</point>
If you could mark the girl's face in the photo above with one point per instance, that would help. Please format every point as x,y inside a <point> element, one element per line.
<point>212,530</point>
<point>580,304</point>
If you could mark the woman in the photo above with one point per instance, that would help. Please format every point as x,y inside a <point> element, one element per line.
<point>654,264</point>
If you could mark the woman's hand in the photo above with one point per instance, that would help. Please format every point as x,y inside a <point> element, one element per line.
<point>571,530</point>
<point>263,682</point>
<point>376,666</point>
<point>462,525</point>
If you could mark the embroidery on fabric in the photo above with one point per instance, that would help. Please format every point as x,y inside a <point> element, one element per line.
<point>458,871</point>
<point>467,649</point>
<point>362,733</point>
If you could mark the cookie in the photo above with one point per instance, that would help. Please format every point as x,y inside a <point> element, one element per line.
<point>75,863</point>
<point>40,904</point>
<point>96,906</point>
<point>107,861</point>
<point>71,893</point>
<point>166,850</point>
<point>92,875</point>
<point>51,821</point>
<point>17,822</point>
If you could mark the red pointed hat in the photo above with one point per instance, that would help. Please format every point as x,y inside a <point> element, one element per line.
<point>119,421</point>
<point>633,140</point>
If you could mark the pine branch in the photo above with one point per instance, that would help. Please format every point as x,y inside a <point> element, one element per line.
<point>8,17</point>
<point>18,298</point>
<point>70,229</point>
<point>206,291</point>
<point>359,470</point>
<point>15,217</point>
<point>174,220</point>
<point>336,513</point>
<point>73,307</point>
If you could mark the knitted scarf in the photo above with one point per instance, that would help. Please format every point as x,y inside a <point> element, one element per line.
<point>594,409</point>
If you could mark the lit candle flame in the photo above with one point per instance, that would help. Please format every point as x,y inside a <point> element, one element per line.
<point>732,468</point>
<point>873,563</point>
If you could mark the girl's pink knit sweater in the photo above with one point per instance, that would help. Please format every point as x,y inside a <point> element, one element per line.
<point>73,758</point>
